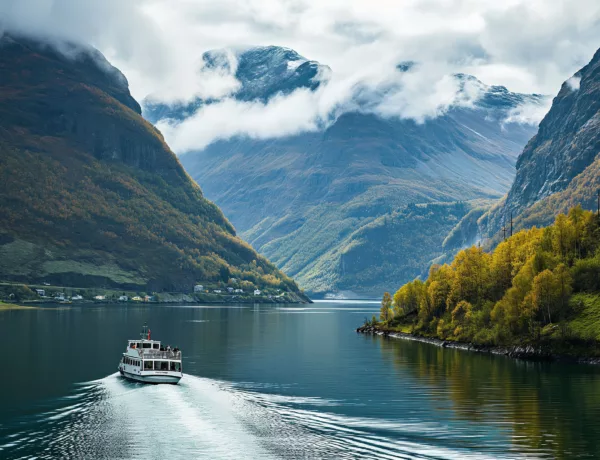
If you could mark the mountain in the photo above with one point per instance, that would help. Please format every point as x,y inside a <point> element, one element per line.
<point>310,202</point>
<point>560,167</point>
<point>90,194</point>
<point>262,73</point>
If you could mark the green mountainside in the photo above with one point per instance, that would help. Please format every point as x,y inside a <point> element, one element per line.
<point>90,194</point>
<point>397,245</point>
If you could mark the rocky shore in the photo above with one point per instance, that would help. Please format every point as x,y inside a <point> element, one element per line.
<point>524,352</point>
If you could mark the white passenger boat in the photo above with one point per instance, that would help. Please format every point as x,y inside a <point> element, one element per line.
<point>146,360</point>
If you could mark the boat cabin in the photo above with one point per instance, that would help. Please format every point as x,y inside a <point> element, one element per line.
<point>144,344</point>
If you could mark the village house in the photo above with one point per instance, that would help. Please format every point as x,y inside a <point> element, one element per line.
<point>198,288</point>
<point>41,292</point>
<point>239,291</point>
<point>147,298</point>
<point>256,292</point>
<point>217,291</point>
<point>100,297</point>
<point>77,297</point>
<point>230,290</point>
<point>123,298</point>
<point>137,298</point>
<point>59,296</point>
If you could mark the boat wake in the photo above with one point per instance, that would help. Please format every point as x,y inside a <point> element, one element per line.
<point>202,418</point>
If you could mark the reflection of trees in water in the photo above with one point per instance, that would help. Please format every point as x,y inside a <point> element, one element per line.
<point>549,409</point>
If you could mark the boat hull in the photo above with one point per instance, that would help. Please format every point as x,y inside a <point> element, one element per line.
<point>152,378</point>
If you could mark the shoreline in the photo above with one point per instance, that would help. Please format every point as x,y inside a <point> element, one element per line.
<point>39,303</point>
<point>520,352</point>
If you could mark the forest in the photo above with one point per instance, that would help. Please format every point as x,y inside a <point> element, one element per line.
<point>539,284</point>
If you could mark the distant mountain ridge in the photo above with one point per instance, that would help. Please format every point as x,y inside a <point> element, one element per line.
<point>302,200</point>
<point>90,194</point>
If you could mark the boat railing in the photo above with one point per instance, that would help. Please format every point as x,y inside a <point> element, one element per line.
<point>159,354</point>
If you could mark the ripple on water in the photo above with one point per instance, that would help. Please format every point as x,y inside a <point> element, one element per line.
<point>112,418</point>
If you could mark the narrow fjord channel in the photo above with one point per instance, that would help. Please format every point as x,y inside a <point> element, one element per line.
<point>279,382</point>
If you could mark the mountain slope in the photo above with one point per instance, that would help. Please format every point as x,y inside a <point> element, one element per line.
<point>90,194</point>
<point>300,199</point>
<point>560,167</point>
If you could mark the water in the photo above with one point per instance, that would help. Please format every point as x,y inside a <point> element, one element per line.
<point>278,382</point>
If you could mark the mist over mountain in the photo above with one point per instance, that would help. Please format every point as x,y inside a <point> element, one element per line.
<point>310,200</point>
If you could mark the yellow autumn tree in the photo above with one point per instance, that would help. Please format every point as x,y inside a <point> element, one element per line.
<point>385,313</point>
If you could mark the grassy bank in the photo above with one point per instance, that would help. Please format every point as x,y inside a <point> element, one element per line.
<point>12,306</point>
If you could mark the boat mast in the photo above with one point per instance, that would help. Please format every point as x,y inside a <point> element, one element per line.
<point>144,333</point>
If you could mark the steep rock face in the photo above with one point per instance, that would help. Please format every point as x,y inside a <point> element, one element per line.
<point>91,195</point>
<point>300,199</point>
<point>560,158</point>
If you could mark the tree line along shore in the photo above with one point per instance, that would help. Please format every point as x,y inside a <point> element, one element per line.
<point>539,288</point>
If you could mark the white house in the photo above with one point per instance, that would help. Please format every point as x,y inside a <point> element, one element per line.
<point>100,297</point>
<point>217,291</point>
<point>77,297</point>
<point>123,298</point>
<point>60,296</point>
<point>239,291</point>
<point>230,290</point>
<point>41,292</point>
<point>256,292</point>
<point>198,288</point>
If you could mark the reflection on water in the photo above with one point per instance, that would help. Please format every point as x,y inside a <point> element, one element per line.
<point>287,382</point>
<point>551,409</point>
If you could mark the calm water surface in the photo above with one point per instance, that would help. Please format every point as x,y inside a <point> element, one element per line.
<point>278,382</point>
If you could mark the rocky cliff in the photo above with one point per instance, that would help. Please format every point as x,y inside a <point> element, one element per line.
<point>559,167</point>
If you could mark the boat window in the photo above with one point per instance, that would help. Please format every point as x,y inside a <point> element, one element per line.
<point>131,344</point>
<point>138,345</point>
<point>175,366</point>
<point>161,365</point>
<point>146,345</point>
<point>156,346</point>
<point>148,365</point>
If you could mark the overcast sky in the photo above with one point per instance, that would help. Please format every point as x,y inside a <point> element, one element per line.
<point>526,45</point>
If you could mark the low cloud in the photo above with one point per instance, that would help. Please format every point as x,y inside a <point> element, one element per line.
<point>574,83</point>
<point>529,113</point>
<point>421,93</point>
<point>282,116</point>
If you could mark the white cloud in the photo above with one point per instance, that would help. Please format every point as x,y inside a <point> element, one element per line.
<point>529,113</point>
<point>424,92</point>
<point>574,83</point>
<point>282,116</point>
<point>526,45</point>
